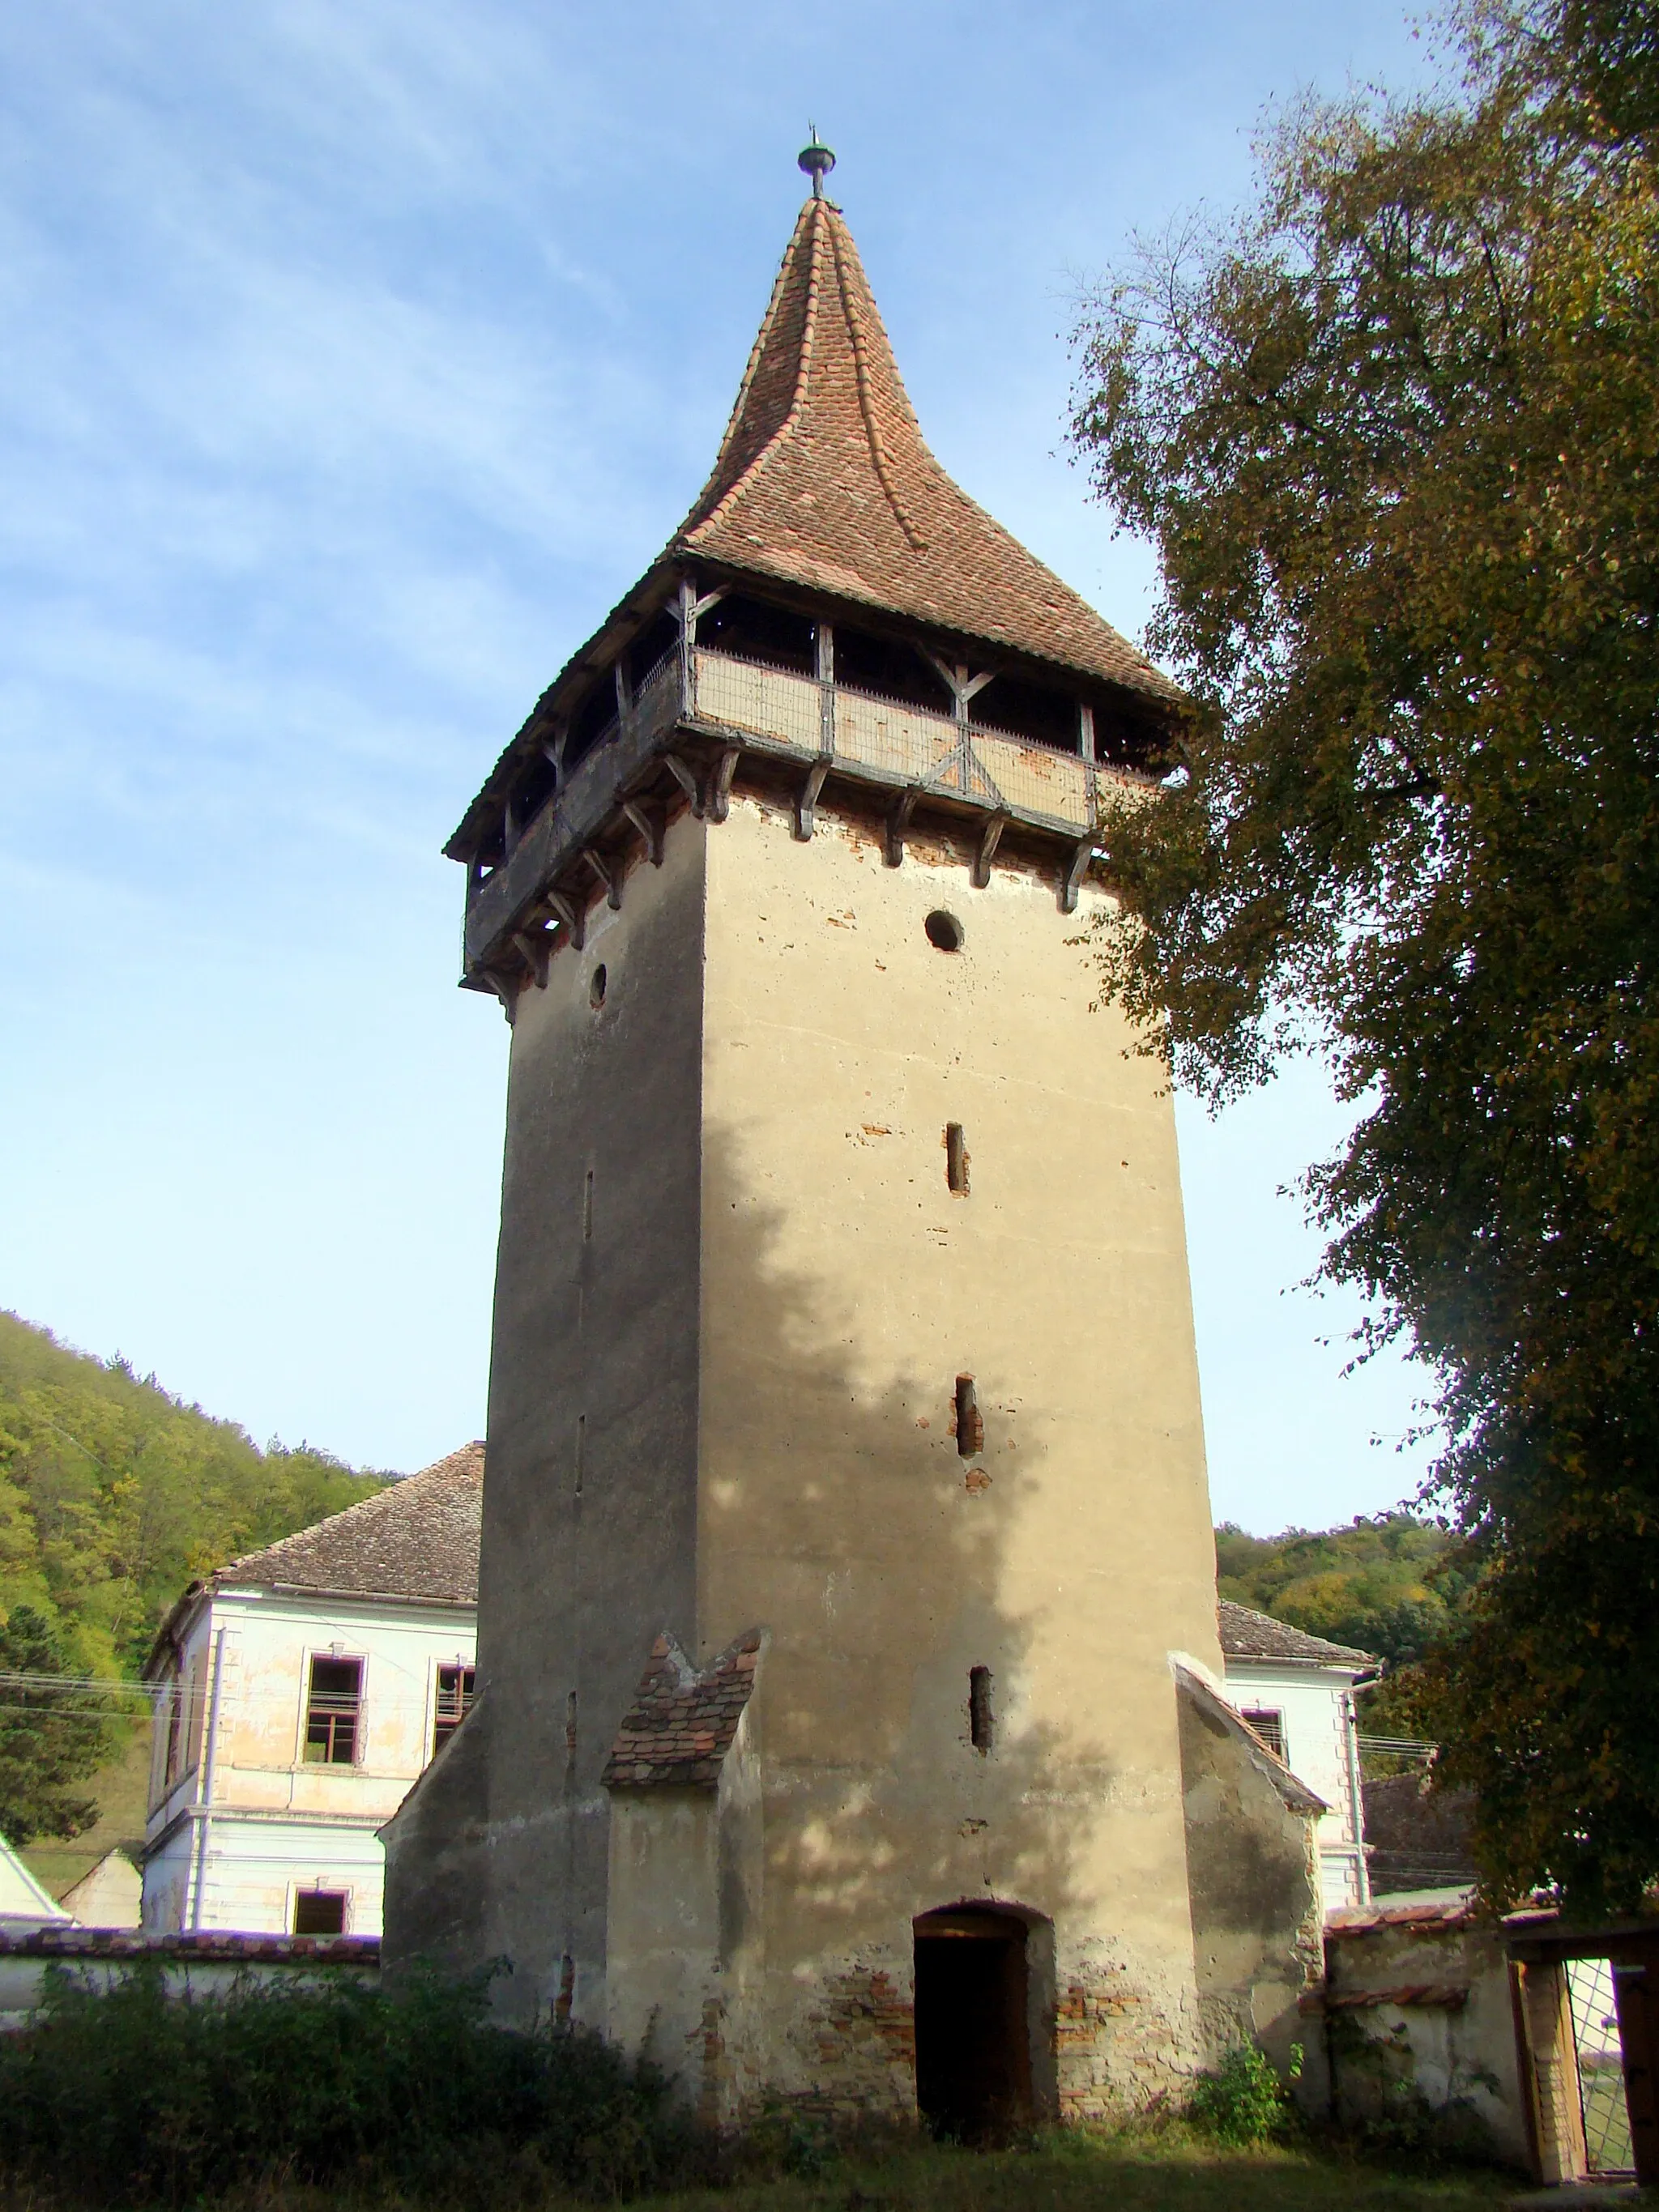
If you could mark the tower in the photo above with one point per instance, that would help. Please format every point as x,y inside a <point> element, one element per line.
<point>847,1579</point>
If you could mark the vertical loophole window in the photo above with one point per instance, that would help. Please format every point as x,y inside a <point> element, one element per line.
<point>581,1451</point>
<point>956,1158</point>
<point>570,1724</point>
<point>587,1208</point>
<point>970,1422</point>
<point>981,1720</point>
<point>596,983</point>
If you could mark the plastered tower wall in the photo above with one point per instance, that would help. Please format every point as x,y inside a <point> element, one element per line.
<point>845,1289</point>
<point>590,1515</point>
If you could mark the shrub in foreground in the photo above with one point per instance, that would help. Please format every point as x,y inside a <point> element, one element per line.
<point>129,2096</point>
<point>1242,2102</point>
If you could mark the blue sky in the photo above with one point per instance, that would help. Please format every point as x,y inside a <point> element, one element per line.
<point>358,357</point>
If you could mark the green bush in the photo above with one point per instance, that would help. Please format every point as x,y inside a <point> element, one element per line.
<point>1242,2102</point>
<point>132,2097</point>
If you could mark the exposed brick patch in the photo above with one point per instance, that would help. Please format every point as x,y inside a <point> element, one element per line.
<point>861,2038</point>
<point>1112,2043</point>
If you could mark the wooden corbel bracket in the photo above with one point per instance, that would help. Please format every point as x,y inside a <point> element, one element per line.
<point>533,944</point>
<point>685,776</point>
<point>980,876</point>
<point>806,799</point>
<point>1075,868</point>
<point>571,915</point>
<point>717,798</point>
<point>609,873</point>
<point>649,824</point>
<point>897,828</point>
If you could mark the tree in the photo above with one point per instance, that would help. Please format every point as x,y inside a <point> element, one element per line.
<point>1396,436</point>
<point>50,1739</point>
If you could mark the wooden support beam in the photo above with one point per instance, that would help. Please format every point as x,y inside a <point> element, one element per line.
<point>685,776</point>
<point>1075,868</point>
<point>571,915</point>
<point>1086,733</point>
<point>624,689</point>
<point>718,800</point>
<point>992,836</point>
<point>510,827</point>
<point>650,825</point>
<point>533,944</point>
<point>806,799</point>
<point>504,983</point>
<point>898,824</point>
<point>708,601</point>
<point>609,873</point>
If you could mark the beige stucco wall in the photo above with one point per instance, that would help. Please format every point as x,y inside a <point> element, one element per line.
<point>844,1289</point>
<point>760,1337</point>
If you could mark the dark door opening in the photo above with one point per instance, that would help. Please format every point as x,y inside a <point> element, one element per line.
<point>973,2043</point>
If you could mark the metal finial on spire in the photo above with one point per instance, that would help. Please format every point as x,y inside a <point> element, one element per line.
<point>817,161</point>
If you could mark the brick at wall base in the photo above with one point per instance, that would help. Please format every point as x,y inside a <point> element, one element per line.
<point>1112,2045</point>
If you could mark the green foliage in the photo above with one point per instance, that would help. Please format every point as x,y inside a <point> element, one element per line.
<point>49,1738</point>
<point>130,2097</point>
<point>1389,1586</point>
<point>1396,434</point>
<point>1243,2102</point>
<point>115,1495</point>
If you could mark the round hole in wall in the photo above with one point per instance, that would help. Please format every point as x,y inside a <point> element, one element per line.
<point>596,983</point>
<point>943,930</point>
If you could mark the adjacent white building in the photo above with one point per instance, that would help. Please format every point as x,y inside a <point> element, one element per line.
<point>1297,1693</point>
<point>300,1691</point>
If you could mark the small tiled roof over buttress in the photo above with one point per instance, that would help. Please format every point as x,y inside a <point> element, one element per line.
<point>824,481</point>
<point>681,1723</point>
<point>418,1538</point>
<point>1248,1635</point>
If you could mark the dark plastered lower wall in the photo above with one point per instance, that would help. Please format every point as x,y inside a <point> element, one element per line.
<point>1253,1876</point>
<point>436,1845</point>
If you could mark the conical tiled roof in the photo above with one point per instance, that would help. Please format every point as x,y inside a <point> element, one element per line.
<point>824,481</point>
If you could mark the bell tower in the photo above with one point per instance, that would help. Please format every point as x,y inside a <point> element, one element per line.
<point>846,1529</point>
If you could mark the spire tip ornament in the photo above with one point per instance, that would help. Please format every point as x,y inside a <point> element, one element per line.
<point>817,160</point>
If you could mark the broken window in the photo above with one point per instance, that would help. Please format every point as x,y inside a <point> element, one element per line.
<point>455,1695</point>
<point>955,1159</point>
<point>970,1422</point>
<point>332,1712</point>
<point>982,1722</point>
<point>319,1911</point>
<point>1269,1725</point>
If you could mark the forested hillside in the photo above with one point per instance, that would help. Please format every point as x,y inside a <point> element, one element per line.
<point>1390,1585</point>
<point>114,1494</point>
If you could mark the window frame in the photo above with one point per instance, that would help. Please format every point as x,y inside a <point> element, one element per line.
<point>442,1726</point>
<point>310,1707</point>
<point>1274,1736</point>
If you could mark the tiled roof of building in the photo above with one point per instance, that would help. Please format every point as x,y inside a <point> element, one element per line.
<point>1248,1635</point>
<point>416,1538</point>
<point>681,1723</point>
<point>824,481</point>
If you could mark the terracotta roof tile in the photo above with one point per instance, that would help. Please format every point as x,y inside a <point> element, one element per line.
<point>1248,1635</point>
<point>681,1723</point>
<point>416,1538</point>
<point>824,480</point>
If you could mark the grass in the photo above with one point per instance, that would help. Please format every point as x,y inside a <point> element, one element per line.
<point>1165,2170</point>
<point>121,1787</point>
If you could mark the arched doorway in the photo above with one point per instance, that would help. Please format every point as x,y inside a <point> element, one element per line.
<point>973,2022</point>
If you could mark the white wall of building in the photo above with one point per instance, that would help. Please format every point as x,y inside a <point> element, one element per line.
<point>240,1820</point>
<point>1315,1705</point>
